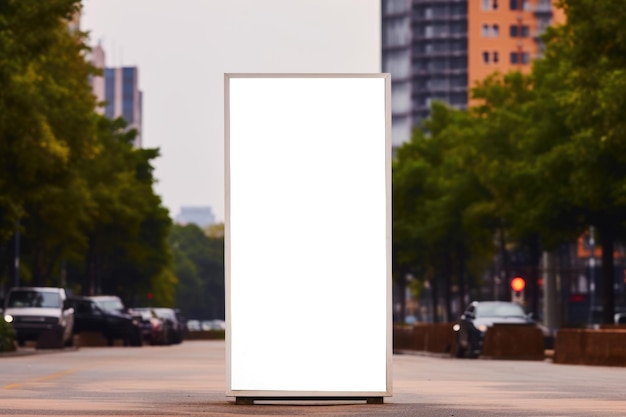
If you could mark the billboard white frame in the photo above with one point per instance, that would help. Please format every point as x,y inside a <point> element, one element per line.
<point>308,235</point>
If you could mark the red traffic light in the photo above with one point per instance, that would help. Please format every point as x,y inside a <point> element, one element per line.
<point>518,284</point>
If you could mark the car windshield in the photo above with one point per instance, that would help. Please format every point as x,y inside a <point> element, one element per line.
<point>499,310</point>
<point>33,298</point>
<point>109,304</point>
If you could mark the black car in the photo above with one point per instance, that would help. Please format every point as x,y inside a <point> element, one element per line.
<point>478,317</point>
<point>100,314</point>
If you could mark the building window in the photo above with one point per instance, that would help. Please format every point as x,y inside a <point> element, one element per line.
<point>485,57</point>
<point>486,4</point>
<point>485,31</point>
<point>525,58</point>
<point>494,4</point>
<point>513,30</point>
<point>495,30</point>
<point>525,31</point>
<point>514,57</point>
<point>515,4</point>
<point>495,56</point>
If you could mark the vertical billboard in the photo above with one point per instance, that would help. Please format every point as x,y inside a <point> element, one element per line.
<point>308,235</point>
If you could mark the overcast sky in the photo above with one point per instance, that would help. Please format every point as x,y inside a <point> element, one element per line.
<point>184,47</point>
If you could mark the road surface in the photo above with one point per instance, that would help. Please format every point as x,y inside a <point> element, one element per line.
<point>189,380</point>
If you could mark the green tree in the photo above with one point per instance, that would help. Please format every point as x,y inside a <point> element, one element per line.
<point>199,267</point>
<point>47,125</point>
<point>127,234</point>
<point>434,192</point>
<point>585,68</point>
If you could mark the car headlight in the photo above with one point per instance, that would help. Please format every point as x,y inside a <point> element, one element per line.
<point>8,318</point>
<point>482,328</point>
<point>456,327</point>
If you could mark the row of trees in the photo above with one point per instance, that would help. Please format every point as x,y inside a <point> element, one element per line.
<point>536,160</point>
<point>199,267</point>
<point>77,206</point>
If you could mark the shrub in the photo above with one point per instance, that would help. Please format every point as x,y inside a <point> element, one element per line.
<point>7,336</point>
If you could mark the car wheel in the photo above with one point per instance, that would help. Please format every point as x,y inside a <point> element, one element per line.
<point>460,350</point>
<point>135,339</point>
<point>471,347</point>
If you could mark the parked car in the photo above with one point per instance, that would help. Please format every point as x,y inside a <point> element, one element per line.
<point>193,325</point>
<point>154,329</point>
<point>106,315</point>
<point>620,318</point>
<point>176,328</point>
<point>34,311</point>
<point>215,324</point>
<point>470,330</point>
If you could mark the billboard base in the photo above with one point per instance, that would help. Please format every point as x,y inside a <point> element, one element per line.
<point>251,400</point>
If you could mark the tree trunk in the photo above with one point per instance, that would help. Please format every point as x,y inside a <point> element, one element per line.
<point>533,275</point>
<point>434,293</point>
<point>605,233</point>
<point>90,275</point>
<point>447,286</point>
<point>505,271</point>
<point>401,287</point>
<point>461,275</point>
<point>552,299</point>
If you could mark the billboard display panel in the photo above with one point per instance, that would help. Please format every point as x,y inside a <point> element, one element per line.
<point>308,240</point>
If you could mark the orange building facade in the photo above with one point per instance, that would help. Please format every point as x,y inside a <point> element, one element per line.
<point>504,35</point>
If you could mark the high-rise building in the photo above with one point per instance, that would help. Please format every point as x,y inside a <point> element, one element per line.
<point>397,38</point>
<point>118,88</point>
<point>439,49</point>
<point>123,98</point>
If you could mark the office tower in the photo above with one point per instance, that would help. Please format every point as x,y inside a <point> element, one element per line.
<point>439,49</point>
<point>118,88</point>
<point>123,98</point>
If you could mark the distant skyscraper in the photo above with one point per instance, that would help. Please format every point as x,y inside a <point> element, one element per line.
<point>439,49</point>
<point>201,216</point>
<point>119,89</point>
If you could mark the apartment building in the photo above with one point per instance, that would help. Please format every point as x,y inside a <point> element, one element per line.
<point>439,49</point>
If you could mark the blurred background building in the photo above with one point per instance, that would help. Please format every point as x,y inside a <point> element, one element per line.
<point>199,215</point>
<point>439,49</point>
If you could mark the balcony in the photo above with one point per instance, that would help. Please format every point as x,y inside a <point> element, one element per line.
<point>543,9</point>
<point>446,35</point>
<point>421,73</point>
<point>439,54</point>
<point>440,18</point>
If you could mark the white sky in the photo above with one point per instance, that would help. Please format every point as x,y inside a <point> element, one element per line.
<point>184,47</point>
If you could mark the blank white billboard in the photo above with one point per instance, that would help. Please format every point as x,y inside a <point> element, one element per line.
<point>308,234</point>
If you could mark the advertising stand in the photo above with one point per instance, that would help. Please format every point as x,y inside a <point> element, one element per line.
<point>308,237</point>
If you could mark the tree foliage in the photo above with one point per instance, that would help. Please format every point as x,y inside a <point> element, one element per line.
<point>72,186</point>
<point>199,266</point>
<point>535,161</point>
